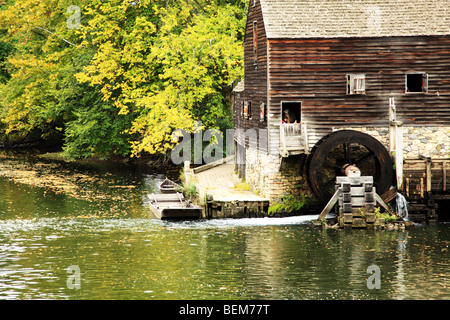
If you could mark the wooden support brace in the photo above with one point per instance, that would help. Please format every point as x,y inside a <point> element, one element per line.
<point>330,205</point>
<point>380,201</point>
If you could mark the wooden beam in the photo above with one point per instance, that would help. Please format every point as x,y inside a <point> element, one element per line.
<point>407,187</point>
<point>389,195</point>
<point>330,205</point>
<point>444,175</point>
<point>421,189</point>
<point>380,201</point>
<point>399,155</point>
<point>428,176</point>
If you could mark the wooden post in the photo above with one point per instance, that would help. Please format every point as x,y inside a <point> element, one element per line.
<point>187,172</point>
<point>396,142</point>
<point>421,189</point>
<point>428,177</point>
<point>305,137</point>
<point>444,175</point>
<point>392,119</point>
<point>407,187</point>
<point>399,154</point>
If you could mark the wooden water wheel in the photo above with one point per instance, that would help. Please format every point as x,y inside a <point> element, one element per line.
<point>336,151</point>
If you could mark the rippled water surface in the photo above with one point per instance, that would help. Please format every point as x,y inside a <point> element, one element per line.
<point>122,253</point>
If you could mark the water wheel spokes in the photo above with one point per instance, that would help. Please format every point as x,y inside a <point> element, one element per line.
<point>337,150</point>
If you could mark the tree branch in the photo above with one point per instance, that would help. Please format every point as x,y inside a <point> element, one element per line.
<point>52,33</point>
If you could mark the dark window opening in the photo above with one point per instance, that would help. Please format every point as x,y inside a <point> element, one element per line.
<point>416,83</point>
<point>291,112</point>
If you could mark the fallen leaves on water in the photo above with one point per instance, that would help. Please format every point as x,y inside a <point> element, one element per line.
<point>61,180</point>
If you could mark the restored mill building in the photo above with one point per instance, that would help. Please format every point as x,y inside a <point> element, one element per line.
<point>333,83</point>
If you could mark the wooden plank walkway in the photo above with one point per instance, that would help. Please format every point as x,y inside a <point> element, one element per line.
<point>220,181</point>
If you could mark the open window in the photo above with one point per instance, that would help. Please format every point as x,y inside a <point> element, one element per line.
<point>416,83</point>
<point>262,112</point>
<point>356,84</point>
<point>247,112</point>
<point>291,112</point>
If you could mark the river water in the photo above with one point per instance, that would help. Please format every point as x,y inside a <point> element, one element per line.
<point>93,238</point>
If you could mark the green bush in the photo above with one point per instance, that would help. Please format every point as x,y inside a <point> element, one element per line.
<point>387,216</point>
<point>288,204</point>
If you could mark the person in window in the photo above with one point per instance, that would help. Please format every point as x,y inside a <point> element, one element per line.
<point>289,116</point>
<point>286,116</point>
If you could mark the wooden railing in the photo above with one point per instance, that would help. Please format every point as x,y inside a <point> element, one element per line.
<point>291,138</point>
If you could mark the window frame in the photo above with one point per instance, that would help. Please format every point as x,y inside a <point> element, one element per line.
<point>424,82</point>
<point>247,105</point>
<point>284,104</point>
<point>351,83</point>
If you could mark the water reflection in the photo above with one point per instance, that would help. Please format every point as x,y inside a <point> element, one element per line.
<point>150,259</point>
<point>124,254</point>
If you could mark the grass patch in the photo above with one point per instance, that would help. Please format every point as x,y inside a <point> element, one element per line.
<point>189,190</point>
<point>243,186</point>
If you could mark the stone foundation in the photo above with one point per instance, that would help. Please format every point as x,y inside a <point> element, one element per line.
<point>274,177</point>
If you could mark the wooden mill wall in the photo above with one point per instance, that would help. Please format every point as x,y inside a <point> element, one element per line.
<point>314,71</point>
<point>255,82</point>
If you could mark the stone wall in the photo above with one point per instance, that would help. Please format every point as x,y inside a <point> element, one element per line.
<point>381,134</point>
<point>274,177</point>
<point>417,141</point>
<point>428,141</point>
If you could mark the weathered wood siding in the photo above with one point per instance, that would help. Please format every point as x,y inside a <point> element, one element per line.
<point>314,71</point>
<point>255,79</point>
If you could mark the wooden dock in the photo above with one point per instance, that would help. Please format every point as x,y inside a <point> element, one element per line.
<point>219,185</point>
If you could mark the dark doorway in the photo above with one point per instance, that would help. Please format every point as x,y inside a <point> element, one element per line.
<point>443,211</point>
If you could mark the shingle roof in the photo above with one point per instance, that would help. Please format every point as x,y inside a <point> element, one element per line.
<point>355,18</point>
<point>239,87</point>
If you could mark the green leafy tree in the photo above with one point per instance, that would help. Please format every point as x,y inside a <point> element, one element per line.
<point>126,77</point>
